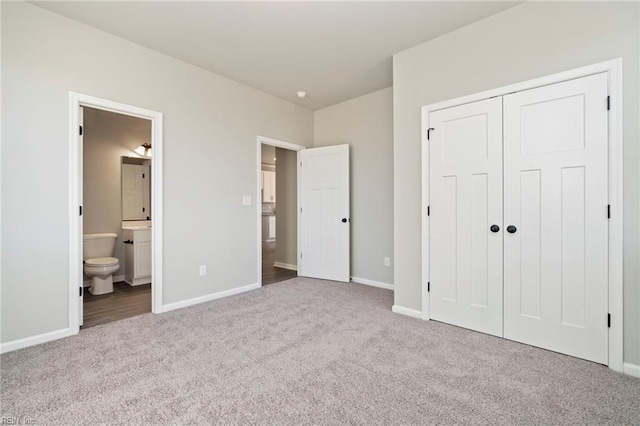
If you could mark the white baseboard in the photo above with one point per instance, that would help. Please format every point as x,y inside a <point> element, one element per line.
<point>631,369</point>
<point>372,283</point>
<point>34,340</point>
<point>406,311</point>
<point>116,279</point>
<point>209,297</point>
<point>285,266</point>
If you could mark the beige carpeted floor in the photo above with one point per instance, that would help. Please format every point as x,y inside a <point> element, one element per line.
<point>305,352</point>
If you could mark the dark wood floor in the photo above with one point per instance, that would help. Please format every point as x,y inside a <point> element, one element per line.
<point>271,274</point>
<point>125,301</point>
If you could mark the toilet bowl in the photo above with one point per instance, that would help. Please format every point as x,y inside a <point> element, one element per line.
<point>99,265</point>
<point>101,272</point>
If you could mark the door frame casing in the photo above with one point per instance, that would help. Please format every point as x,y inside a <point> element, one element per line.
<point>613,68</point>
<point>77,100</point>
<point>278,144</point>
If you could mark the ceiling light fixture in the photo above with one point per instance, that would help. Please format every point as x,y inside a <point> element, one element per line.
<point>144,150</point>
<point>301,94</point>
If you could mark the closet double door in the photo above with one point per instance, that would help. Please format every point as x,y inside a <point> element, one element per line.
<point>518,189</point>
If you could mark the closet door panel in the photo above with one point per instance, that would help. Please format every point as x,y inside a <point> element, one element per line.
<point>555,195</point>
<point>465,200</point>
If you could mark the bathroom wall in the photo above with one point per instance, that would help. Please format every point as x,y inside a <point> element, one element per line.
<point>210,129</point>
<point>107,137</point>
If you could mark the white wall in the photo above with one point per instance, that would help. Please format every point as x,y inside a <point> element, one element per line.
<point>210,129</point>
<point>528,41</point>
<point>106,138</point>
<point>286,206</point>
<point>366,124</point>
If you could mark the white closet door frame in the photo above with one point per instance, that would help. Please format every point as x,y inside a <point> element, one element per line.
<point>613,69</point>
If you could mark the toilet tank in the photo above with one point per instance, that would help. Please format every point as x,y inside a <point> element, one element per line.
<point>98,245</point>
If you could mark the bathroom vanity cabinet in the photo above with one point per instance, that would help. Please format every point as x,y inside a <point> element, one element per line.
<point>137,256</point>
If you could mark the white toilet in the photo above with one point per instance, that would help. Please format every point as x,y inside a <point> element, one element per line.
<point>99,265</point>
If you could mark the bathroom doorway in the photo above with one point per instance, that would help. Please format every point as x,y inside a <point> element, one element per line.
<point>278,210</point>
<point>115,233</point>
<point>117,216</point>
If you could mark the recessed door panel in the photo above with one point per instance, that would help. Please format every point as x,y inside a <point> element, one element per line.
<point>465,200</point>
<point>529,248</point>
<point>479,240</point>
<point>555,197</point>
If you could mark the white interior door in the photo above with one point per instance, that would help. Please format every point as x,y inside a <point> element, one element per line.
<point>465,201</point>
<point>324,220</point>
<point>555,197</point>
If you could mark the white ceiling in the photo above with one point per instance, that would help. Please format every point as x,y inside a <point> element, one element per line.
<point>333,50</point>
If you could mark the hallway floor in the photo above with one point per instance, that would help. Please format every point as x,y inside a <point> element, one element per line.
<point>271,274</point>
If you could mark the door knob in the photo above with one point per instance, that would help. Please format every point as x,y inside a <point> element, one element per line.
<point>494,228</point>
<point>344,220</point>
<point>511,229</point>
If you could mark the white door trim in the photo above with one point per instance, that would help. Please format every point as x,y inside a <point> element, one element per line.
<point>279,144</point>
<point>77,100</point>
<point>613,68</point>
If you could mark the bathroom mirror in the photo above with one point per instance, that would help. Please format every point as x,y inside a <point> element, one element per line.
<point>136,188</point>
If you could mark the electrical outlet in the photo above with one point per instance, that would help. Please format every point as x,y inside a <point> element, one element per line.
<point>246,200</point>
<point>203,270</point>
<point>387,261</point>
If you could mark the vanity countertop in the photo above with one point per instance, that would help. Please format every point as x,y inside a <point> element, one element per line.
<point>136,225</point>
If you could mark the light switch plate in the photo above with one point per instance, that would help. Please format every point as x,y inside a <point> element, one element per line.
<point>246,200</point>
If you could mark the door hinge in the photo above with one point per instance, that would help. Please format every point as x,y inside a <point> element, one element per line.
<point>608,103</point>
<point>300,209</point>
<point>429,132</point>
<point>608,211</point>
<point>300,255</point>
<point>80,210</point>
<point>80,288</point>
<point>608,320</point>
<point>80,130</point>
<point>143,209</point>
<point>428,287</point>
<point>301,164</point>
<point>143,176</point>
<point>428,210</point>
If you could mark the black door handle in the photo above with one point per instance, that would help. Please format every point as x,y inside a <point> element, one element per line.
<point>494,228</point>
<point>128,242</point>
<point>511,229</point>
<point>344,220</point>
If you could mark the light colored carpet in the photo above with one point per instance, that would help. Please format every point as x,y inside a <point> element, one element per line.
<point>305,352</point>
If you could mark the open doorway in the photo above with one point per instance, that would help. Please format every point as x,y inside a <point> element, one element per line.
<point>115,196</point>
<point>322,212</point>
<point>278,210</point>
<point>279,222</point>
<point>117,216</point>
